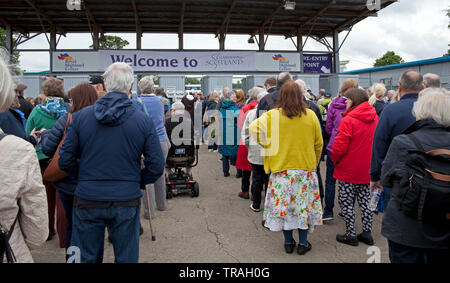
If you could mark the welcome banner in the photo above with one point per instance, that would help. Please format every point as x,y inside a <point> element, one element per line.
<point>66,61</point>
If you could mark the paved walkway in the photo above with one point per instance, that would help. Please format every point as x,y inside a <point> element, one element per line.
<point>219,227</point>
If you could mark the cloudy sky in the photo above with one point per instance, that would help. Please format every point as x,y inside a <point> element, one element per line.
<point>414,29</point>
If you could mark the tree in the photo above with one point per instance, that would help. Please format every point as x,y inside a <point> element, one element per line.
<point>15,56</point>
<point>192,81</point>
<point>112,42</point>
<point>237,85</point>
<point>390,58</point>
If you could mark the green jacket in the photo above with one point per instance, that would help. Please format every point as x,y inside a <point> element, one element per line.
<point>40,120</point>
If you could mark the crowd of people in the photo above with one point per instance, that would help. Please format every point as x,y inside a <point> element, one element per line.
<point>76,165</point>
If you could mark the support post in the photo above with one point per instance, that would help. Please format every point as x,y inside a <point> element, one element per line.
<point>139,38</point>
<point>9,44</point>
<point>336,61</point>
<point>52,38</point>
<point>299,40</point>
<point>261,40</point>
<point>95,39</point>
<point>221,42</point>
<point>300,48</point>
<point>180,38</point>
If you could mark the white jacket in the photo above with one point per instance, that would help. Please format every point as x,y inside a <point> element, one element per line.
<point>255,151</point>
<point>21,189</point>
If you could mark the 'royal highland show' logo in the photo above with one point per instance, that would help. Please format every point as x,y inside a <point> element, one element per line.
<point>279,57</point>
<point>70,64</point>
<point>65,57</point>
<point>284,64</point>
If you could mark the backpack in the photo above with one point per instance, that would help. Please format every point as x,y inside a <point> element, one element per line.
<point>5,235</point>
<point>424,192</point>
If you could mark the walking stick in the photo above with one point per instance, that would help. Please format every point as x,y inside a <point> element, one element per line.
<point>149,209</point>
<point>150,213</point>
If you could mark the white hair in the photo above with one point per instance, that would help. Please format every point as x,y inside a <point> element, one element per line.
<point>118,77</point>
<point>178,107</point>
<point>433,103</point>
<point>7,84</point>
<point>432,80</point>
<point>146,84</point>
<point>261,94</point>
<point>302,84</point>
<point>229,95</point>
<point>378,91</point>
<point>253,92</point>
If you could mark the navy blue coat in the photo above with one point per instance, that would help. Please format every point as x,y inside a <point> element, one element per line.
<point>379,106</point>
<point>394,120</point>
<point>108,140</point>
<point>11,124</point>
<point>50,140</point>
<point>263,105</point>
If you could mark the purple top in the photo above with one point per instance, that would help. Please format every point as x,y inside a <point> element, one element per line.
<point>334,117</point>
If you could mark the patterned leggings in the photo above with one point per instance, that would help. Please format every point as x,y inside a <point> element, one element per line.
<point>347,194</point>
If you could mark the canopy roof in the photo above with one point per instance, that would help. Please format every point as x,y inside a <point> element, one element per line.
<point>316,18</point>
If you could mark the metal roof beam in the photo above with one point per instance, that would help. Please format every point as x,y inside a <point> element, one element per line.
<point>45,16</point>
<point>136,15</point>
<point>226,18</point>
<point>269,18</point>
<point>6,23</point>
<point>313,17</point>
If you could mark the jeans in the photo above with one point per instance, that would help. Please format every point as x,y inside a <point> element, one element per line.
<point>226,160</point>
<point>330,187</point>
<point>259,180</point>
<point>67,202</point>
<point>88,232</point>
<point>302,237</point>
<point>404,254</point>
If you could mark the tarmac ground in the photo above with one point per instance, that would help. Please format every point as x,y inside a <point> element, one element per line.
<point>219,227</point>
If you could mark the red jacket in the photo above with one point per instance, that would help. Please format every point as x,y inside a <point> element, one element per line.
<point>242,157</point>
<point>353,145</point>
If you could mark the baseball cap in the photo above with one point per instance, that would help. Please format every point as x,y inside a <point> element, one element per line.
<point>327,94</point>
<point>93,80</point>
<point>21,87</point>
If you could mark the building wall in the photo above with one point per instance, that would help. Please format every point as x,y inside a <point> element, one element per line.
<point>391,77</point>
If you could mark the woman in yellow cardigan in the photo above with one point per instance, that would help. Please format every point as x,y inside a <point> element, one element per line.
<point>292,139</point>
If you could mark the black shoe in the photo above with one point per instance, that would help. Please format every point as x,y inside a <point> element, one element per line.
<point>289,248</point>
<point>365,240</point>
<point>226,174</point>
<point>141,230</point>
<point>254,209</point>
<point>347,240</point>
<point>301,249</point>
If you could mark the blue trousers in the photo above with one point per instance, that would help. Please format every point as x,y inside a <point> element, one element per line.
<point>88,232</point>
<point>226,160</point>
<point>302,237</point>
<point>403,254</point>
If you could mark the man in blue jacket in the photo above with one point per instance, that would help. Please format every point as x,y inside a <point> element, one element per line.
<point>108,139</point>
<point>395,119</point>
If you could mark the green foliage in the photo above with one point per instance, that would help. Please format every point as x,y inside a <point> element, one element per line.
<point>112,42</point>
<point>192,81</point>
<point>15,57</point>
<point>390,58</point>
<point>237,85</point>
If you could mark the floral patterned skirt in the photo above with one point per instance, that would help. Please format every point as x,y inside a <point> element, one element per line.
<point>293,201</point>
